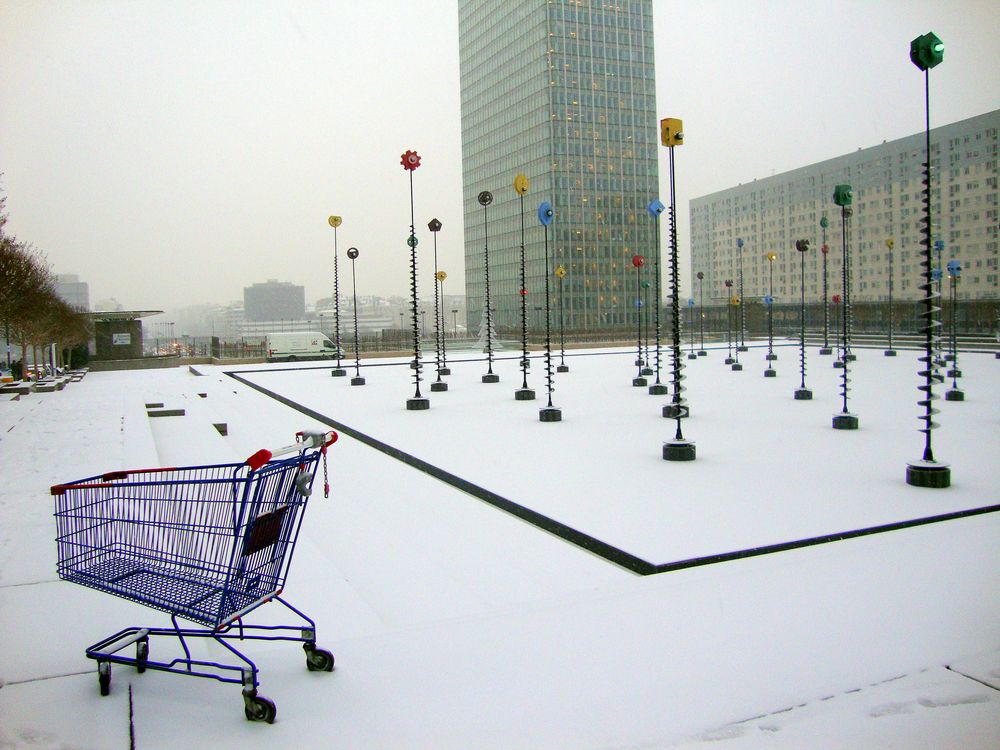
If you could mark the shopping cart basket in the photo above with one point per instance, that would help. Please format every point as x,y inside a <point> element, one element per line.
<point>205,543</point>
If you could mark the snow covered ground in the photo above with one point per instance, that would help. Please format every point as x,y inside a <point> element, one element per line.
<point>456,624</point>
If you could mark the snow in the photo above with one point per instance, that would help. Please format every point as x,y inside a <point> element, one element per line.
<point>455,624</point>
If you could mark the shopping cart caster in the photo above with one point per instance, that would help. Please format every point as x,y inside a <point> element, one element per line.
<point>104,676</point>
<point>141,655</point>
<point>317,659</point>
<point>258,708</point>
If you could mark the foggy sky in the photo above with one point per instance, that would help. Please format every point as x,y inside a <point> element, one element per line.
<point>172,153</point>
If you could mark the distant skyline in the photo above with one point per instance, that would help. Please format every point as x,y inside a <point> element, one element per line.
<point>171,154</point>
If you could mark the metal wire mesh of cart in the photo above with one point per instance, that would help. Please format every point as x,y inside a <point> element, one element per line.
<point>206,543</point>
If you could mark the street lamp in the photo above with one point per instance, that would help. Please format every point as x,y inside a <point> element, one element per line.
<point>338,371</point>
<point>926,51</point>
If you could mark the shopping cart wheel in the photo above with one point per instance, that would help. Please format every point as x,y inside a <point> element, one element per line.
<point>141,655</point>
<point>318,659</point>
<point>258,708</point>
<point>104,676</point>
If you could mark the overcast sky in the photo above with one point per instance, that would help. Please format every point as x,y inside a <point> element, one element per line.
<point>171,153</point>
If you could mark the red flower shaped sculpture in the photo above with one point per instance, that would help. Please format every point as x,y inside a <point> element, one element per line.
<point>410,160</point>
<point>638,261</point>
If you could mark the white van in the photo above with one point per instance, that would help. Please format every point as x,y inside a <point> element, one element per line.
<point>290,347</point>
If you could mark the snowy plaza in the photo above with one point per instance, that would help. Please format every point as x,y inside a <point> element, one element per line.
<point>488,580</point>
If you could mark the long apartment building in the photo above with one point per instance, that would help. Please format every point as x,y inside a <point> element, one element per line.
<point>770,214</point>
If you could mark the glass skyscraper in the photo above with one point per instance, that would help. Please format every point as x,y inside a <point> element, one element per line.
<point>562,91</point>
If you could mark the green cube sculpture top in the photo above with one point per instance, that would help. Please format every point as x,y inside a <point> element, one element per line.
<point>926,51</point>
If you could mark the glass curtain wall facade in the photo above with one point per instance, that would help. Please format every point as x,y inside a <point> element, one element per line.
<point>562,91</point>
<point>770,214</point>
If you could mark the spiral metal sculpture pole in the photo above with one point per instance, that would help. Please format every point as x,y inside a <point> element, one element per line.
<point>954,394</point>
<point>825,250</point>
<point>802,393</point>
<point>701,312</point>
<point>410,161</point>
<point>338,371</point>
<point>655,208</point>
<point>729,321</point>
<point>843,196</point>
<point>770,372</point>
<point>678,449</point>
<point>485,198</point>
<point>743,316</point>
<point>435,226</point>
<point>638,261</point>
<point>524,393</point>
<point>357,379</point>
<point>889,243</point>
<point>926,51</point>
<point>563,367</point>
<point>548,413</point>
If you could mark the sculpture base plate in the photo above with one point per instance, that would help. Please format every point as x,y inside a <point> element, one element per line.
<point>357,380</point>
<point>692,355</point>
<point>550,414</point>
<point>839,364</point>
<point>439,385</point>
<point>826,350</point>
<point>338,372</point>
<point>524,394</point>
<point>845,421</point>
<point>729,360</point>
<point>658,389</point>
<point>803,394</point>
<point>928,474</point>
<point>769,373</point>
<point>954,373</point>
<point>637,382</point>
<point>491,377</point>
<point>562,368</point>
<point>889,353</point>
<point>417,404</point>
<point>851,357</point>
<point>736,367</point>
<point>444,371</point>
<point>770,357</point>
<point>954,395</point>
<point>742,348</point>
<point>646,371</point>
<point>678,450</point>
<point>703,353</point>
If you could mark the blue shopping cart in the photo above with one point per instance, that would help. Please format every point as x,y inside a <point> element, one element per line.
<point>208,544</point>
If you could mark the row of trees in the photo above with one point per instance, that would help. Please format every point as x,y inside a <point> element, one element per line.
<point>31,313</point>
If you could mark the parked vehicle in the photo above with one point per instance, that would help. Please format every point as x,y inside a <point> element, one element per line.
<point>301,345</point>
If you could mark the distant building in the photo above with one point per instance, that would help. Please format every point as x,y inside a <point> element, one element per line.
<point>770,214</point>
<point>564,93</point>
<point>274,301</point>
<point>73,292</point>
